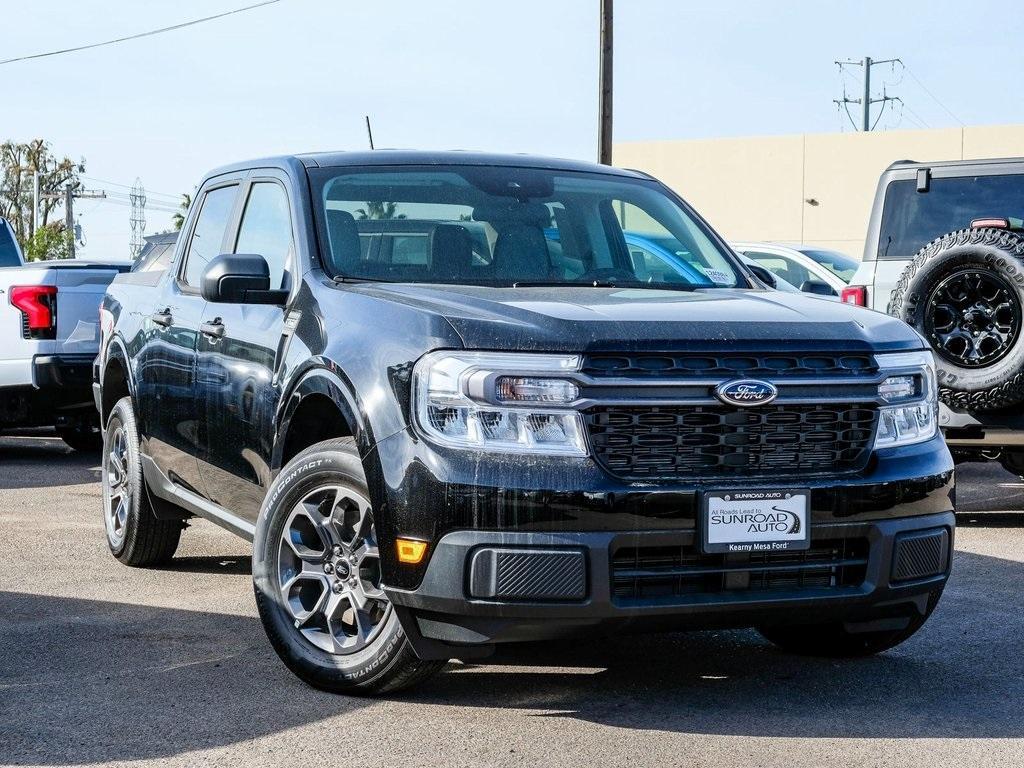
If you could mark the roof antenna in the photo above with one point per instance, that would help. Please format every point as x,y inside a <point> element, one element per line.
<point>369,131</point>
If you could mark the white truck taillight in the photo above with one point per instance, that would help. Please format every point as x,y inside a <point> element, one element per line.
<point>855,294</point>
<point>38,305</point>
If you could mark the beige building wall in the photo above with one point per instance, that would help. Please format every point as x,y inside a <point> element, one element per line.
<point>810,188</point>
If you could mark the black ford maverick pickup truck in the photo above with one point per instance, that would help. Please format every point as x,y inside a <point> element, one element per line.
<point>453,409</point>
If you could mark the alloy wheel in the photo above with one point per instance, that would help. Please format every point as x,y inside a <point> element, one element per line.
<point>973,318</point>
<point>329,571</point>
<point>119,491</point>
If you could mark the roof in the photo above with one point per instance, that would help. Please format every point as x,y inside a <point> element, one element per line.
<point>958,163</point>
<point>420,157</point>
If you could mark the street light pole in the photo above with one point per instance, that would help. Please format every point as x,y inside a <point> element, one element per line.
<point>604,128</point>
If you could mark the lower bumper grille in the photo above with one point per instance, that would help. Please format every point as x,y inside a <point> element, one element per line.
<point>722,441</point>
<point>650,573</point>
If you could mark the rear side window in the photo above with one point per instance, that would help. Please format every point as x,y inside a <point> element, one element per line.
<point>208,235</point>
<point>8,250</point>
<point>912,219</point>
<point>267,229</point>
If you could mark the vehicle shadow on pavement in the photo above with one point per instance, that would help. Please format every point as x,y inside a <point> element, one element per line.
<point>85,680</point>
<point>44,462</point>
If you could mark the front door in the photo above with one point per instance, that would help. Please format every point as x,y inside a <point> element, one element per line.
<point>240,350</point>
<point>171,388</point>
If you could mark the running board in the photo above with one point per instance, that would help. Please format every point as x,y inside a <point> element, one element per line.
<point>162,486</point>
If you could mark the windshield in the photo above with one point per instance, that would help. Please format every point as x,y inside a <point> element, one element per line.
<point>839,264</point>
<point>8,248</point>
<point>506,226</point>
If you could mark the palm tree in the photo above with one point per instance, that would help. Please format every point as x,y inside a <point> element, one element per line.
<point>178,219</point>
<point>379,210</point>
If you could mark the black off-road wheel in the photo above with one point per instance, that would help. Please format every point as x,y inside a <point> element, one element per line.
<point>317,578</point>
<point>836,640</point>
<point>964,292</point>
<point>135,536</point>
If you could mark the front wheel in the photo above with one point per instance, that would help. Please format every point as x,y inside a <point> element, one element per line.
<point>84,438</point>
<point>317,578</point>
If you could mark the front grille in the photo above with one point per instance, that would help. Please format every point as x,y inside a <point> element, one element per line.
<point>639,442</point>
<point>682,365</point>
<point>653,573</point>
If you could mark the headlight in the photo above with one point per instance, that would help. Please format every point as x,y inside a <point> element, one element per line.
<point>499,402</point>
<point>911,384</point>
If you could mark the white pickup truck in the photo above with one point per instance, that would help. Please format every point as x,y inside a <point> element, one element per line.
<point>49,336</point>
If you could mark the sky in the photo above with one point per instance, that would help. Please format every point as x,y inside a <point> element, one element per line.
<point>518,76</point>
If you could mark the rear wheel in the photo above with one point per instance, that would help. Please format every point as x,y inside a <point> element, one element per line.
<point>317,577</point>
<point>135,536</point>
<point>1013,462</point>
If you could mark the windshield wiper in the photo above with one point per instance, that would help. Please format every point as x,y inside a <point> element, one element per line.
<point>606,284</point>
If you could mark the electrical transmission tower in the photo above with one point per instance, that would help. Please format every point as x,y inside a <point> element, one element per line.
<point>866,100</point>
<point>138,217</point>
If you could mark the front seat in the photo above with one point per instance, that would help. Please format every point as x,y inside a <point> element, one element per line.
<point>521,253</point>
<point>343,236</point>
<point>451,253</point>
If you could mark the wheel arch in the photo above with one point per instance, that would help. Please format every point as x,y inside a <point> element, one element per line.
<point>115,378</point>
<point>319,406</point>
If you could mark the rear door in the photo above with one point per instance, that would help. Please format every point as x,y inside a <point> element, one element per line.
<point>172,393</point>
<point>241,359</point>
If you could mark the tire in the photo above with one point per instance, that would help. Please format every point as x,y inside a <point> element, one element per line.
<point>84,438</point>
<point>958,330</point>
<point>135,536</point>
<point>315,535</point>
<point>834,640</point>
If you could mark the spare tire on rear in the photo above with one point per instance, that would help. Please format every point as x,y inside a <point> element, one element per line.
<point>963,292</point>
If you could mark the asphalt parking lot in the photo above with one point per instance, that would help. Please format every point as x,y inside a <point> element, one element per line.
<point>102,664</point>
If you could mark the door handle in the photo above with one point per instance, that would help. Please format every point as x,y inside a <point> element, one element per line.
<point>214,329</point>
<point>163,318</point>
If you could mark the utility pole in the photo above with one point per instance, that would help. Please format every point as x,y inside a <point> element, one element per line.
<point>69,219</point>
<point>604,128</point>
<point>35,201</point>
<point>866,101</point>
<point>69,209</point>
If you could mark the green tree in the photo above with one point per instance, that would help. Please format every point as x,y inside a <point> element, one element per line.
<point>379,210</point>
<point>178,219</point>
<point>50,242</point>
<point>18,163</point>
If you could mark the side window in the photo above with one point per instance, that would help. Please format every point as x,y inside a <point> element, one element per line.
<point>784,267</point>
<point>267,229</point>
<point>209,232</point>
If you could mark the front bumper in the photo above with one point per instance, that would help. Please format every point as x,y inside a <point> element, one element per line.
<point>864,583</point>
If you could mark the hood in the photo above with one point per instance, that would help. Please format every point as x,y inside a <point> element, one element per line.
<point>580,319</point>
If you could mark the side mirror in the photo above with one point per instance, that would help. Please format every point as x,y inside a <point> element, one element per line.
<point>764,275</point>
<point>817,287</point>
<point>239,278</point>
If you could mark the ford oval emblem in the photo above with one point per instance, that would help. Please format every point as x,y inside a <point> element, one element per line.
<point>746,393</point>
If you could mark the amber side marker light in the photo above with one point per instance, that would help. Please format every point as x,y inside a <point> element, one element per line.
<point>411,551</point>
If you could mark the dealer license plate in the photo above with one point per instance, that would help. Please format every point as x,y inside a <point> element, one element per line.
<point>756,521</point>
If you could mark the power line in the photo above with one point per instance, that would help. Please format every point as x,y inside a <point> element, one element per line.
<point>129,186</point>
<point>934,97</point>
<point>139,34</point>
